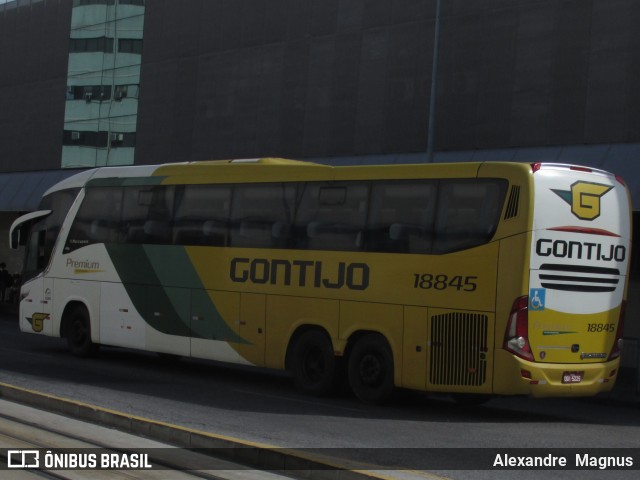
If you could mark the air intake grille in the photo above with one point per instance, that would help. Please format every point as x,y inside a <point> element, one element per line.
<point>512,204</point>
<point>458,349</point>
<point>577,278</point>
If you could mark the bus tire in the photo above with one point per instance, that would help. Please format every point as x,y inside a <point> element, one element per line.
<point>371,369</point>
<point>313,364</point>
<point>78,332</point>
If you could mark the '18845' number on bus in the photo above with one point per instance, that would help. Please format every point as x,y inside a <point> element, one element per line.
<point>427,281</point>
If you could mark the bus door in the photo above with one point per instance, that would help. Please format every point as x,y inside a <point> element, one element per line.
<point>35,308</point>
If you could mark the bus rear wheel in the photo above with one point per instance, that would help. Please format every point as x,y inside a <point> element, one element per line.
<point>78,332</point>
<point>313,364</point>
<point>371,369</point>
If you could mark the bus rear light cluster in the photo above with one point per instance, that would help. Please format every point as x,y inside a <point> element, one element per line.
<point>616,350</point>
<point>576,168</point>
<point>516,339</point>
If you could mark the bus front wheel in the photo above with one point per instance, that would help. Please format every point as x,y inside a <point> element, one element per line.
<point>78,333</point>
<point>371,369</point>
<point>313,364</point>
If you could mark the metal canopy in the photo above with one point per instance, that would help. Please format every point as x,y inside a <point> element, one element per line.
<point>22,191</point>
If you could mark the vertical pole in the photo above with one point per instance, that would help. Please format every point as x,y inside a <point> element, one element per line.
<point>434,86</point>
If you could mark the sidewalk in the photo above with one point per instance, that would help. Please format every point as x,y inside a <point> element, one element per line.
<point>106,429</point>
<point>25,428</point>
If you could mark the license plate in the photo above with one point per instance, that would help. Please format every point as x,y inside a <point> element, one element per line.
<point>572,377</point>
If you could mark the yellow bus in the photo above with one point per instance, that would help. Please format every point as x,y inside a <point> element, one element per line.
<point>468,278</point>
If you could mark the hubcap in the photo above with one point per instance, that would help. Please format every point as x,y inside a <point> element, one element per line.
<point>371,369</point>
<point>314,366</point>
<point>79,332</point>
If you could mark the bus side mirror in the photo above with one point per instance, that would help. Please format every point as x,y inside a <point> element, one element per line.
<point>18,237</point>
<point>19,232</point>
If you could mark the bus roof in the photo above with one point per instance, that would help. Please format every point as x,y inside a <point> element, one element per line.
<point>279,169</point>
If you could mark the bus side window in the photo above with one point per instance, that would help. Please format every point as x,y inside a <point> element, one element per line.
<point>402,216</point>
<point>201,215</point>
<point>146,214</point>
<point>332,216</point>
<point>468,213</point>
<point>261,215</point>
<point>97,220</point>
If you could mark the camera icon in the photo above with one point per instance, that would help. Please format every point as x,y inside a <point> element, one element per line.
<point>23,459</point>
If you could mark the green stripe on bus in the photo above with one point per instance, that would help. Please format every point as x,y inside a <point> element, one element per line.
<point>166,290</point>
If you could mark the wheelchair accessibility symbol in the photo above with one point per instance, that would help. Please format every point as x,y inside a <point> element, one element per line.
<point>536,299</point>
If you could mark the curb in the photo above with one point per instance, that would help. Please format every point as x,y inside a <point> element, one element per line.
<point>253,454</point>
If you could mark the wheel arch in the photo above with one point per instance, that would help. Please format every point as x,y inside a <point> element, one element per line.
<point>68,308</point>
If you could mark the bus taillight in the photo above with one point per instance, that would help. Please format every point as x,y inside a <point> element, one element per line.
<point>616,350</point>
<point>516,339</point>
<point>577,168</point>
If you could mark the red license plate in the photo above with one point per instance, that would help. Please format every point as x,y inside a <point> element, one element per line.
<point>572,377</point>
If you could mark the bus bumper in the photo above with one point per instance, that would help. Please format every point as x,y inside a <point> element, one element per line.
<point>554,379</point>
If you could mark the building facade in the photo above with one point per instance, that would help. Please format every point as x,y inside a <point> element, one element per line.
<point>87,83</point>
<point>103,83</point>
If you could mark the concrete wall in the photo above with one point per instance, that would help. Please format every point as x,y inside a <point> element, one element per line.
<point>317,78</point>
<point>34,47</point>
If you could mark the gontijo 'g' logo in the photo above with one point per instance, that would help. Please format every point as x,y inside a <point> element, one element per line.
<point>37,321</point>
<point>584,198</point>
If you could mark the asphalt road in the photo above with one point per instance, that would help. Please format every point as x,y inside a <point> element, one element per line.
<point>263,406</point>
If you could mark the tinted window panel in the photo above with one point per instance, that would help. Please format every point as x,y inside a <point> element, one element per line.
<point>98,219</point>
<point>202,215</point>
<point>332,216</point>
<point>468,213</point>
<point>262,215</point>
<point>146,215</point>
<point>421,216</point>
<point>402,217</point>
